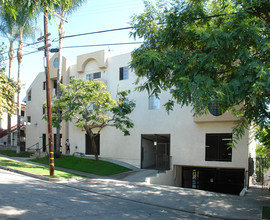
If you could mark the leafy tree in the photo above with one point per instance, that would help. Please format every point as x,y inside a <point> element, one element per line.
<point>205,53</point>
<point>9,30</point>
<point>262,151</point>
<point>90,107</point>
<point>7,88</point>
<point>263,136</point>
<point>12,29</point>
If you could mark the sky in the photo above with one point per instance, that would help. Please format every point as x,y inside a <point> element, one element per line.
<point>94,15</point>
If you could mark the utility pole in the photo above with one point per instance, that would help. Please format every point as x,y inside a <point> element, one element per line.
<point>48,90</point>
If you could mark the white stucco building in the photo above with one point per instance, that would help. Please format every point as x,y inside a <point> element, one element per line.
<point>192,150</point>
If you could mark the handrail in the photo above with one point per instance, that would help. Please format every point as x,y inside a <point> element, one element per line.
<point>37,148</point>
<point>36,144</point>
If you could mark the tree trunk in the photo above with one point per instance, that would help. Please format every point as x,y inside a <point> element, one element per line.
<point>10,55</point>
<point>92,139</point>
<point>20,59</point>
<point>59,77</point>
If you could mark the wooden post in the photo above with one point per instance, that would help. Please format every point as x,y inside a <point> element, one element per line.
<point>48,94</point>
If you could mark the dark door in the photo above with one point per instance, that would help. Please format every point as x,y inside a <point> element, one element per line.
<point>88,145</point>
<point>22,140</point>
<point>214,179</point>
<point>44,142</point>
<point>162,156</point>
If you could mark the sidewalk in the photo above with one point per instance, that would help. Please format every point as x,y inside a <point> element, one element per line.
<point>203,203</point>
<point>217,205</point>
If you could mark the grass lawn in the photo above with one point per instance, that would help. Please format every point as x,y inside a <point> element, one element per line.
<point>102,168</point>
<point>12,153</point>
<point>35,169</point>
<point>266,212</point>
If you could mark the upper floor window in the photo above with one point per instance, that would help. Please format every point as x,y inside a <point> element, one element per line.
<point>123,73</point>
<point>29,96</point>
<point>55,84</point>
<point>93,76</point>
<point>29,119</point>
<point>217,147</point>
<point>153,102</point>
<point>44,85</point>
<point>214,108</point>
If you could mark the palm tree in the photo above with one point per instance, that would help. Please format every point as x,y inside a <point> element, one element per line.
<point>14,28</point>
<point>63,9</point>
<point>9,30</point>
<point>26,29</point>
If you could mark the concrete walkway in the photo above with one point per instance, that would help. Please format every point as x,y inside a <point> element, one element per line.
<point>202,203</point>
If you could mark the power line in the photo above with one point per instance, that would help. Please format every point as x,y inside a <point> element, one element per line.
<point>82,34</point>
<point>27,45</point>
<point>99,32</point>
<point>24,54</point>
<point>100,45</point>
<point>91,45</point>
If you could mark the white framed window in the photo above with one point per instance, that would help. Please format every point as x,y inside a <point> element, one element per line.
<point>93,76</point>
<point>123,73</point>
<point>29,96</point>
<point>28,120</point>
<point>153,102</point>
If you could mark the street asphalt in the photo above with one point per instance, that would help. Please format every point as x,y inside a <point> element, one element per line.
<point>130,186</point>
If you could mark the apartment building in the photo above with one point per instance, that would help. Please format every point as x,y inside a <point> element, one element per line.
<point>190,151</point>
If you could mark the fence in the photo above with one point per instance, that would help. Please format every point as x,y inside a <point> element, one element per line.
<point>259,170</point>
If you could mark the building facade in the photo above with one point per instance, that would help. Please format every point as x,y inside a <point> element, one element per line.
<point>192,150</point>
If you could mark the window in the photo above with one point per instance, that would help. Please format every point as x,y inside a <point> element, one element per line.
<point>29,119</point>
<point>123,73</point>
<point>214,109</point>
<point>29,96</point>
<point>44,85</point>
<point>97,75</point>
<point>93,76</point>
<point>43,110</point>
<point>154,102</point>
<point>217,147</point>
<point>56,62</point>
<point>55,84</point>
<point>22,113</point>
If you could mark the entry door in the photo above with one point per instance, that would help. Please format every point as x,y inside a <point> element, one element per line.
<point>163,156</point>
<point>44,142</point>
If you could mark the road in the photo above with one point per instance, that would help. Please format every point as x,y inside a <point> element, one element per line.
<point>23,197</point>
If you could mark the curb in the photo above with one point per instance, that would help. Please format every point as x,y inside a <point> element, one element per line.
<point>30,174</point>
